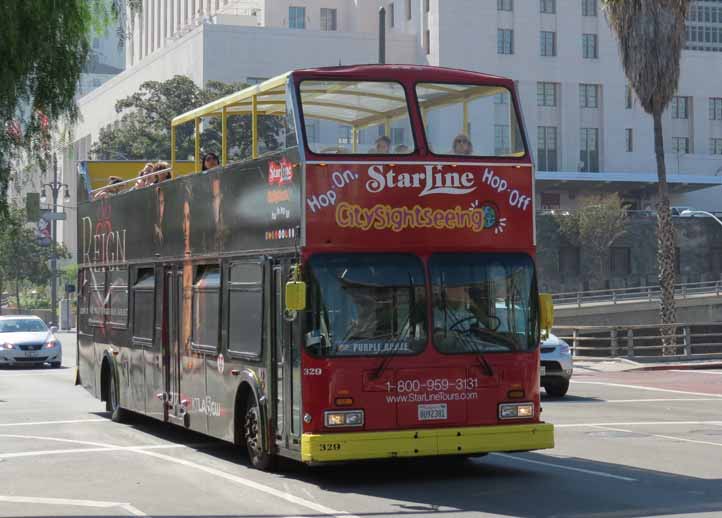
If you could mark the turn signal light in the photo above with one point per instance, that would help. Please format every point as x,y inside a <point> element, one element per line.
<point>515,394</point>
<point>344,401</point>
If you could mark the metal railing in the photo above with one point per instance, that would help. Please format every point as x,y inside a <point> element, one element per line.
<point>692,341</point>
<point>639,293</point>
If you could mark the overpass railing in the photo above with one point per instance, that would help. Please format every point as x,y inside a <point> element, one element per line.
<point>690,341</point>
<point>640,293</point>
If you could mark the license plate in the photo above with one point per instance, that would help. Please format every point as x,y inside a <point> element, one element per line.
<point>542,371</point>
<point>433,412</point>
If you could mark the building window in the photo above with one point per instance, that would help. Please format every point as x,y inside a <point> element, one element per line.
<point>548,6</point>
<point>588,96</point>
<point>96,43</point>
<point>715,261</point>
<point>312,130</point>
<point>680,145</point>
<point>715,146</point>
<point>344,135</point>
<point>547,148</point>
<point>427,41</point>
<point>504,5</point>
<point>715,107</point>
<point>589,7</point>
<point>589,46</point>
<point>569,260</point>
<point>546,94</point>
<point>548,43</point>
<point>297,17</point>
<point>677,260</point>
<point>628,99</point>
<point>501,98</point>
<point>589,150</point>
<point>426,6</point>
<point>501,139</point>
<point>504,41</point>
<point>408,9</point>
<point>620,260</point>
<point>391,14</point>
<point>629,140</point>
<point>680,107</point>
<point>328,19</point>
<point>551,200</point>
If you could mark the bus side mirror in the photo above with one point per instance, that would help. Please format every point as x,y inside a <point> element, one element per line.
<point>546,311</point>
<point>295,296</point>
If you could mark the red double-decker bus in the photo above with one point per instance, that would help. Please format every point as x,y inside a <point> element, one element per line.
<point>354,280</point>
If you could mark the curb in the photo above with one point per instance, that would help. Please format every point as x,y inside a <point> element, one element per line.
<point>672,366</point>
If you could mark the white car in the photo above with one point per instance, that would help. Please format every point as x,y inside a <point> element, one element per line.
<point>557,366</point>
<point>26,340</point>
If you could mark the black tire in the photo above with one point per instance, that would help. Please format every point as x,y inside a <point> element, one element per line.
<point>258,458</point>
<point>112,404</point>
<point>55,365</point>
<point>558,388</point>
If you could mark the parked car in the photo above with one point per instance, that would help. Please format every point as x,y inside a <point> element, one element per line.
<point>556,366</point>
<point>26,340</point>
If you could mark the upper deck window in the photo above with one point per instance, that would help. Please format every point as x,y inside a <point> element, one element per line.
<point>356,117</point>
<point>470,120</point>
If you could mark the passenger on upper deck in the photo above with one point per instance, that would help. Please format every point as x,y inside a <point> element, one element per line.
<point>160,166</point>
<point>210,160</point>
<point>383,145</point>
<point>462,145</point>
<point>143,182</point>
<point>112,180</point>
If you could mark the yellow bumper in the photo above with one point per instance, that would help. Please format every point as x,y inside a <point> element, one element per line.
<point>425,442</point>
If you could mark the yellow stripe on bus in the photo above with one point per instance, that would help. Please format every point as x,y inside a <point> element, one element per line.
<point>425,442</point>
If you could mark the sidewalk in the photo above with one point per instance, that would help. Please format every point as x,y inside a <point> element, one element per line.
<point>624,364</point>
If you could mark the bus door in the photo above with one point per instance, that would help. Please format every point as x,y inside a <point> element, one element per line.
<point>287,362</point>
<point>173,287</point>
<point>156,393</point>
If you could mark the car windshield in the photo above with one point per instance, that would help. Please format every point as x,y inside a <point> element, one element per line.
<point>366,304</point>
<point>483,303</point>
<point>22,325</point>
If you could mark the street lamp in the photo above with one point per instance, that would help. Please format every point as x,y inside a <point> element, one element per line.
<point>55,188</point>
<point>689,213</point>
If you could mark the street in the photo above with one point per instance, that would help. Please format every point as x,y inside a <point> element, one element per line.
<point>628,444</point>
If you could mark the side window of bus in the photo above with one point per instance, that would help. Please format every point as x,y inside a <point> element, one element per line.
<point>96,305</point>
<point>244,314</point>
<point>118,298</point>
<point>83,301</point>
<point>206,306</point>
<point>143,306</point>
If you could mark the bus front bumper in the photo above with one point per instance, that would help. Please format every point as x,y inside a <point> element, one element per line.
<point>329,447</point>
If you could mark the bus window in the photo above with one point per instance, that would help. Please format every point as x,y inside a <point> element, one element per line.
<point>356,117</point>
<point>366,304</point>
<point>143,309</point>
<point>245,309</point>
<point>206,302</point>
<point>119,298</point>
<point>470,120</point>
<point>97,297</point>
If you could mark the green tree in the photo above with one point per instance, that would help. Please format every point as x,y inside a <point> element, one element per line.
<point>144,131</point>
<point>651,35</point>
<point>44,44</point>
<point>594,227</point>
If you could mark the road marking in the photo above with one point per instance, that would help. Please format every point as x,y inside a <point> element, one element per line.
<point>76,503</point>
<point>67,421</point>
<point>42,453</point>
<point>669,437</point>
<point>648,400</point>
<point>641,387</point>
<point>697,371</point>
<point>57,439</point>
<point>635,423</point>
<point>568,468</point>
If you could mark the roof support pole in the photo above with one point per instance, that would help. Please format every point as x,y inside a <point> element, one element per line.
<point>254,127</point>
<point>224,137</point>
<point>197,143</point>
<point>172,150</point>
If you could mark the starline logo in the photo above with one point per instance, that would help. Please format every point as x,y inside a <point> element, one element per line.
<point>439,182</point>
<point>280,173</point>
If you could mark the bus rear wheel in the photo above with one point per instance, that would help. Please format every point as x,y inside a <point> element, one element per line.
<point>112,404</point>
<point>252,433</point>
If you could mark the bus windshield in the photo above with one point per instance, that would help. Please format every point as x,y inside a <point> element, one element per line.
<point>483,303</point>
<point>470,120</point>
<point>356,117</point>
<point>366,304</point>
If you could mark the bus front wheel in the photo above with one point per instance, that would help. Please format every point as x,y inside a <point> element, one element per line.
<point>252,433</point>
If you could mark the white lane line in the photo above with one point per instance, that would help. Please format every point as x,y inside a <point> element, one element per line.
<point>283,495</point>
<point>697,371</point>
<point>668,437</point>
<point>647,400</point>
<point>70,502</point>
<point>568,468</point>
<point>57,439</point>
<point>42,453</point>
<point>66,421</point>
<point>635,423</point>
<point>640,387</point>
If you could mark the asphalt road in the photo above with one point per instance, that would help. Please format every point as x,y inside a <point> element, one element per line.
<point>628,445</point>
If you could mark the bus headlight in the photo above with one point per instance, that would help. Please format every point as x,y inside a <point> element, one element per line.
<point>344,418</point>
<point>516,410</point>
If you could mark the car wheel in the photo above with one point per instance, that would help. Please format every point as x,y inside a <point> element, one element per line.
<point>252,433</point>
<point>557,389</point>
<point>112,405</point>
<point>55,365</point>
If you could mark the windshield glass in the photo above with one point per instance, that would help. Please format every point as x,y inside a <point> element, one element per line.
<point>18,325</point>
<point>483,302</point>
<point>356,117</point>
<point>366,304</point>
<point>470,120</point>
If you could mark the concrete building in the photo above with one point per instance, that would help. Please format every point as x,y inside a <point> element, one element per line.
<point>587,131</point>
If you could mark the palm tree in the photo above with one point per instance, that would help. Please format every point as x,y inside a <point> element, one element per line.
<point>651,34</point>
